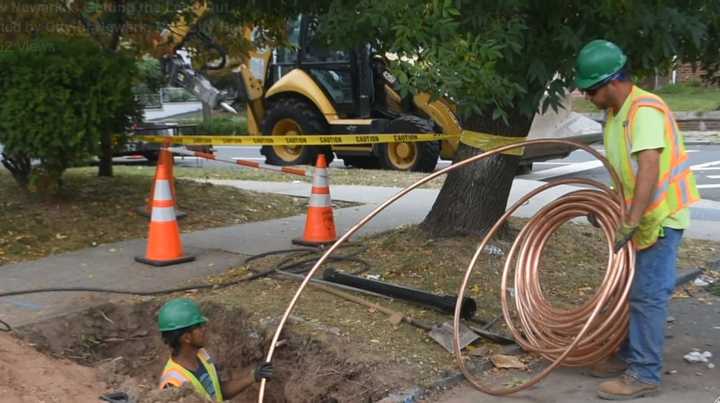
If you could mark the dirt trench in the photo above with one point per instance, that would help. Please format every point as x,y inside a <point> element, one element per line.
<point>121,343</point>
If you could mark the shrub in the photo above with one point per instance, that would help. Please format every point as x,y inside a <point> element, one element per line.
<point>59,97</point>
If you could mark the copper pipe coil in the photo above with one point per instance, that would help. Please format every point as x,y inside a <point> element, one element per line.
<point>575,337</point>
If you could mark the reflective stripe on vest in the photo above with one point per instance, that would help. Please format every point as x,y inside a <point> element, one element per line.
<point>675,188</point>
<point>176,375</point>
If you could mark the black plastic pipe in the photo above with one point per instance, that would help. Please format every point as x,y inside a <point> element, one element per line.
<point>445,303</point>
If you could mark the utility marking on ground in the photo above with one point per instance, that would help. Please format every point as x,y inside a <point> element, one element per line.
<point>25,305</point>
<point>565,170</point>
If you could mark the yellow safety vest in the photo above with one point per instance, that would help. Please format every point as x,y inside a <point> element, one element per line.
<point>176,375</point>
<point>676,187</point>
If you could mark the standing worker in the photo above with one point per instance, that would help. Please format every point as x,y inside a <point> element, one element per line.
<point>644,145</point>
<point>183,328</point>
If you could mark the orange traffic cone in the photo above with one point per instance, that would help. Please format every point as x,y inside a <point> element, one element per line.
<point>319,224</point>
<point>164,246</point>
<point>167,159</point>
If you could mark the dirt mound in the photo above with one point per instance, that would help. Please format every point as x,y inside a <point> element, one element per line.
<point>123,343</point>
<point>28,376</point>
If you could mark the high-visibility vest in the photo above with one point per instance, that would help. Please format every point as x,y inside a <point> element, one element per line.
<point>676,187</point>
<point>176,375</point>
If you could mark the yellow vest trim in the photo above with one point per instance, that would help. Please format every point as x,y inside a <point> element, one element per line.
<point>176,375</point>
<point>675,188</point>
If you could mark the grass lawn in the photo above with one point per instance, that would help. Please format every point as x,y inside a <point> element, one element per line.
<point>680,98</point>
<point>92,211</point>
<point>338,176</point>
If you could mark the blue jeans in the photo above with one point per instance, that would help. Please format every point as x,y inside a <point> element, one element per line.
<point>650,295</point>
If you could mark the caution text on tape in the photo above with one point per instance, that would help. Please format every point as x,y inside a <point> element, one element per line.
<point>310,140</point>
<point>484,141</point>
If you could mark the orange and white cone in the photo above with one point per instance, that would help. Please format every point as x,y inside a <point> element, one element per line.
<point>164,247</point>
<point>165,157</point>
<point>320,223</point>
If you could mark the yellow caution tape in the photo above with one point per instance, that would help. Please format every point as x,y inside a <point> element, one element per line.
<point>484,141</point>
<point>309,140</point>
<point>487,141</point>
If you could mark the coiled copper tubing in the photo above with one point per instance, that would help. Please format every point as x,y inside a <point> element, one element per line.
<point>574,337</point>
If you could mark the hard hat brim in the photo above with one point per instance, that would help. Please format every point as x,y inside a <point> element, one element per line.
<point>200,321</point>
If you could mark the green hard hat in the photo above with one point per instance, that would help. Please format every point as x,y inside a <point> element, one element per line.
<point>597,61</point>
<point>179,313</point>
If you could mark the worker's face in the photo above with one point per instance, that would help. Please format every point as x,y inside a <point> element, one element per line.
<point>197,337</point>
<point>600,97</point>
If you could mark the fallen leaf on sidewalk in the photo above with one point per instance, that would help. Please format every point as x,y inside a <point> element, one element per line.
<point>507,361</point>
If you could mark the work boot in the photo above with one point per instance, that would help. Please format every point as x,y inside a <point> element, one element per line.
<point>626,388</point>
<point>608,368</point>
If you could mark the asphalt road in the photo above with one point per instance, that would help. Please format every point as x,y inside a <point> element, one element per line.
<point>705,160</point>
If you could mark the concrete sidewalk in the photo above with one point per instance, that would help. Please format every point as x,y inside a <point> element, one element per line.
<point>112,265</point>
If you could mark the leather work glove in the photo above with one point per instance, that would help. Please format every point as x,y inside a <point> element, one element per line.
<point>263,370</point>
<point>623,235</point>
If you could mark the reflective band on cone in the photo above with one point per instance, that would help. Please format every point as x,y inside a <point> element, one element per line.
<point>164,246</point>
<point>320,223</point>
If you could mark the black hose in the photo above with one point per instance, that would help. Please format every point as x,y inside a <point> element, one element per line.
<point>139,293</point>
<point>290,264</point>
<point>286,265</point>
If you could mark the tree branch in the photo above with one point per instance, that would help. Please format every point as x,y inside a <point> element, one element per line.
<point>119,24</point>
<point>86,23</point>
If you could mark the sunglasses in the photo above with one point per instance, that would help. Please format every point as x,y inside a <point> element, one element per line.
<point>592,91</point>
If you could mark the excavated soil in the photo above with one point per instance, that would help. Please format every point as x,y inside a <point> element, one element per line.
<point>116,347</point>
<point>27,376</point>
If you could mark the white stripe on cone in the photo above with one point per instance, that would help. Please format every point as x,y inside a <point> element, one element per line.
<point>163,214</point>
<point>320,179</point>
<point>162,190</point>
<point>319,200</point>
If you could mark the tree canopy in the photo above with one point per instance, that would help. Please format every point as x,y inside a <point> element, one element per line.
<point>508,55</point>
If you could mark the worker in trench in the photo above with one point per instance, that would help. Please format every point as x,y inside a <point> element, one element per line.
<point>184,329</point>
<point>644,145</point>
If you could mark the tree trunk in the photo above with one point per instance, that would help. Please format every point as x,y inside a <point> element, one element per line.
<point>105,167</point>
<point>20,166</point>
<point>474,197</point>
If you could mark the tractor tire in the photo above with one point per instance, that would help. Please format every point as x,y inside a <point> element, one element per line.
<point>151,156</point>
<point>294,117</point>
<point>416,156</point>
